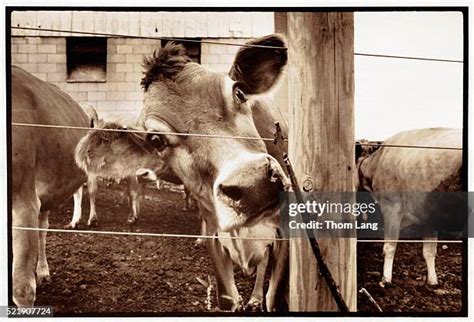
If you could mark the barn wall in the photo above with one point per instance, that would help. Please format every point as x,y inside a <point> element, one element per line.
<point>220,57</point>
<point>44,57</point>
<point>147,24</point>
<point>120,95</point>
<point>43,53</point>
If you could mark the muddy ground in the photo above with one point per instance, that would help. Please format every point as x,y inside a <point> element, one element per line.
<point>105,274</point>
<point>409,292</point>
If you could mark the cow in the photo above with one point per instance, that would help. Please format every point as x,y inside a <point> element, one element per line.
<point>133,190</point>
<point>236,181</point>
<point>252,256</point>
<point>43,172</point>
<point>105,154</point>
<point>388,173</point>
<point>104,168</point>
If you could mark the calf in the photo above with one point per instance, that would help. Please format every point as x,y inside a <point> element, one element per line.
<point>134,189</point>
<point>104,154</point>
<point>253,255</point>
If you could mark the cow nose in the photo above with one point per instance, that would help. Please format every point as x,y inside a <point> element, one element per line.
<point>251,186</point>
<point>233,192</point>
<point>236,192</point>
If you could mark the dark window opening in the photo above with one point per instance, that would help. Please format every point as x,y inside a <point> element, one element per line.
<point>86,59</point>
<point>193,49</point>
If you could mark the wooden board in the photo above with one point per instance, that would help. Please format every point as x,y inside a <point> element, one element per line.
<point>321,145</point>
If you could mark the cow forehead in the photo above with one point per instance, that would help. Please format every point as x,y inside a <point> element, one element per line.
<point>199,100</point>
<point>197,94</point>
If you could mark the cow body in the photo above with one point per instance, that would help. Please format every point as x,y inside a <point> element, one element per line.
<point>390,172</point>
<point>44,173</point>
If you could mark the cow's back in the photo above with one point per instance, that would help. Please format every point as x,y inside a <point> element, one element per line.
<point>415,169</point>
<point>44,155</point>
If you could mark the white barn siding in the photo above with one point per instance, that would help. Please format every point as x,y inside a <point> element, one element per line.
<point>44,53</point>
<point>146,24</point>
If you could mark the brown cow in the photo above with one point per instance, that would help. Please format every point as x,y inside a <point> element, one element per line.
<point>44,173</point>
<point>390,173</point>
<point>87,160</point>
<point>236,181</point>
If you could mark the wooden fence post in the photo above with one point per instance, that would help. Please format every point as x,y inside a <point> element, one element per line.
<point>321,145</point>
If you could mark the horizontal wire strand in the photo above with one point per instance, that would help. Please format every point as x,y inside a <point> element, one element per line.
<point>137,234</point>
<point>210,136</point>
<point>213,136</point>
<point>121,233</point>
<point>410,146</point>
<point>91,33</point>
<point>148,37</point>
<point>410,58</point>
<point>409,241</point>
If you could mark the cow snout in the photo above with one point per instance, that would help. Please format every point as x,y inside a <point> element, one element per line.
<point>248,190</point>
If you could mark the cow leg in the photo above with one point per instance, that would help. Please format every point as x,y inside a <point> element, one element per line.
<point>277,295</point>
<point>389,249</point>
<point>25,249</point>
<point>228,297</point>
<point>255,304</point>
<point>159,184</point>
<point>42,268</point>
<point>134,197</point>
<point>77,213</point>
<point>199,241</point>
<point>93,188</point>
<point>392,216</point>
<point>429,254</point>
<point>187,200</point>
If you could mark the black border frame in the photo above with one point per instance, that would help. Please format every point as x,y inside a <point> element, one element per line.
<point>463,9</point>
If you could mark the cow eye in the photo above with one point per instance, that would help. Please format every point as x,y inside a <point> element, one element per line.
<point>158,141</point>
<point>239,95</point>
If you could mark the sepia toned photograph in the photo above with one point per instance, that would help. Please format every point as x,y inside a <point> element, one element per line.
<point>236,162</point>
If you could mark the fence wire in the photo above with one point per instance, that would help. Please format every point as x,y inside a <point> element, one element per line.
<point>214,136</point>
<point>83,128</point>
<point>138,234</point>
<point>115,35</point>
<point>165,235</point>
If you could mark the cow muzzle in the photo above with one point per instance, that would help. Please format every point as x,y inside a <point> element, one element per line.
<point>247,190</point>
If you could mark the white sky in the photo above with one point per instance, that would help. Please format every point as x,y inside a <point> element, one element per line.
<point>393,95</point>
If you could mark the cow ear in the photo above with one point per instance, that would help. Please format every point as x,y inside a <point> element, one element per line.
<point>259,63</point>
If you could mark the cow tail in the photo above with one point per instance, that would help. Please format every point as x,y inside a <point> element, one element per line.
<point>91,113</point>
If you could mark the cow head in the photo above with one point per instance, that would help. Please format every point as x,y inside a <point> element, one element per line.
<point>236,179</point>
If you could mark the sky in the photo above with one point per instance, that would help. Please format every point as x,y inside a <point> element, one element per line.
<point>392,95</point>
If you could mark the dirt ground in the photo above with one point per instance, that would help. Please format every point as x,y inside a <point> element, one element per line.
<point>108,274</point>
<point>128,274</point>
<point>409,292</point>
